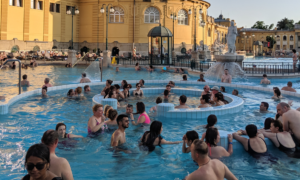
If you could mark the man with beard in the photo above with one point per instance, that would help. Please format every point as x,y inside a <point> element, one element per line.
<point>118,137</point>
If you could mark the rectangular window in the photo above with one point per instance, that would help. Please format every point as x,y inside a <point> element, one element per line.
<point>11,2</point>
<point>278,47</point>
<point>19,3</point>
<point>32,4</point>
<point>52,5</point>
<point>40,5</point>
<point>291,47</point>
<point>57,9</point>
<point>68,8</point>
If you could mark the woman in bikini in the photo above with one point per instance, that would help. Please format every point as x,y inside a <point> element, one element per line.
<point>61,129</point>
<point>96,123</point>
<point>138,91</point>
<point>143,118</point>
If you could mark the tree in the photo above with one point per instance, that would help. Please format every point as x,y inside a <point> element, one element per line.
<point>298,22</point>
<point>285,24</point>
<point>261,25</point>
<point>271,40</point>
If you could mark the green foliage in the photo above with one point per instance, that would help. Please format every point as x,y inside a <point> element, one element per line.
<point>271,40</point>
<point>285,24</point>
<point>261,25</point>
<point>298,22</point>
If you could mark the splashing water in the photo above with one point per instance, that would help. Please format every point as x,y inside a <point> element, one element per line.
<point>217,70</point>
<point>93,71</point>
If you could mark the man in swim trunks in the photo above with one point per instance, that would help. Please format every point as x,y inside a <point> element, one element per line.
<point>208,168</point>
<point>59,166</point>
<point>289,87</point>
<point>265,80</point>
<point>118,137</point>
<point>291,120</point>
<point>264,106</point>
<point>46,81</point>
<point>84,79</point>
<point>182,101</point>
<point>226,78</point>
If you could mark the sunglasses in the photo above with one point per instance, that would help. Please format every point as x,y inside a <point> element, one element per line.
<point>204,88</point>
<point>139,86</point>
<point>39,166</point>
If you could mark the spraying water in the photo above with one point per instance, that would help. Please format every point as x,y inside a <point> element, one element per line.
<point>217,70</point>
<point>93,71</point>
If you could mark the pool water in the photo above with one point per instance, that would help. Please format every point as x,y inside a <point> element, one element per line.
<point>92,158</point>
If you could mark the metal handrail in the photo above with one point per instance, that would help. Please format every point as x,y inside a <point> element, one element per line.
<point>13,60</point>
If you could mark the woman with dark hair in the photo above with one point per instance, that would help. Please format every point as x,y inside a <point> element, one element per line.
<point>222,99</point>
<point>112,115</point>
<point>138,91</point>
<point>184,77</point>
<point>204,101</point>
<point>188,139</point>
<point>222,89</point>
<point>212,138</point>
<point>123,83</point>
<point>61,129</point>
<point>105,111</point>
<point>144,118</point>
<point>108,85</point>
<point>111,93</point>
<point>181,71</point>
<point>277,93</point>
<point>142,83</point>
<point>150,68</point>
<point>37,163</point>
<point>71,93</point>
<point>267,124</point>
<point>137,67</point>
<point>211,121</point>
<point>218,99</point>
<point>153,138</point>
<point>125,91</point>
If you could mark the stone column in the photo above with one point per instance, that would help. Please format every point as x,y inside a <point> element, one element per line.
<point>71,57</point>
<point>106,58</point>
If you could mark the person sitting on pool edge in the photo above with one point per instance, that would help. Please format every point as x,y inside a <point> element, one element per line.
<point>281,139</point>
<point>143,118</point>
<point>255,145</point>
<point>264,106</point>
<point>87,88</point>
<point>289,87</point>
<point>201,78</point>
<point>119,137</point>
<point>188,139</point>
<point>152,138</point>
<point>61,129</point>
<point>182,101</point>
<point>58,166</point>
<point>84,79</point>
<point>37,162</point>
<point>208,168</point>
<point>265,80</point>
<point>212,138</point>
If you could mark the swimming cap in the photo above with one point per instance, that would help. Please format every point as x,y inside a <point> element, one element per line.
<point>164,68</point>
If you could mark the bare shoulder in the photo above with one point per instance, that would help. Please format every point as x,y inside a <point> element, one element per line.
<point>63,161</point>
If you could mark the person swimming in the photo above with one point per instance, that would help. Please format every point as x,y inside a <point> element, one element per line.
<point>61,129</point>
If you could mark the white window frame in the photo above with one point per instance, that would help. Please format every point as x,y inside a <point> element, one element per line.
<point>183,18</point>
<point>151,12</point>
<point>118,13</point>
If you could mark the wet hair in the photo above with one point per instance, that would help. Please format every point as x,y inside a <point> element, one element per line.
<point>202,75</point>
<point>125,82</point>
<point>85,87</point>
<point>184,77</point>
<point>222,89</point>
<point>111,92</point>
<point>290,84</point>
<point>166,92</point>
<point>294,50</point>
<point>136,64</point>
<point>120,118</point>
<point>266,105</point>
<point>200,147</point>
<point>111,114</point>
<point>47,80</point>
<point>251,130</point>
<point>140,107</point>
<point>142,81</point>
<point>24,76</point>
<point>211,136</point>
<point>117,86</point>
<point>211,121</point>
<point>107,91</point>
<point>84,74</point>
<point>265,75</point>
<point>78,90</point>
<point>106,108</point>
<point>154,133</point>
<point>58,125</point>
<point>49,137</point>
<point>191,135</point>
<point>137,84</point>
<point>158,100</point>
<point>236,91</point>
<point>45,87</point>
<point>183,98</point>
<point>278,124</point>
<point>109,81</point>
<point>206,98</point>
<point>219,96</point>
<point>40,151</point>
<point>171,82</point>
<point>96,107</point>
<point>151,67</point>
<point>277,92</point>
<point>267,123</point>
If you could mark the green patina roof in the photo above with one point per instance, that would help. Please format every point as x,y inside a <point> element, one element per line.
<point>160,31</point>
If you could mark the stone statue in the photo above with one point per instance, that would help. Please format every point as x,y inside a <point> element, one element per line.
<point>231,37</point>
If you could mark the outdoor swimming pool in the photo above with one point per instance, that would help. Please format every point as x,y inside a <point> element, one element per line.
<point>92,158</point>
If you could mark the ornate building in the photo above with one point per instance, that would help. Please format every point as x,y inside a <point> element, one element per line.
<point>45,24</point>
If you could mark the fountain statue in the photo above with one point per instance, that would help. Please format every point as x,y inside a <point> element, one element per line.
<point>230,60</point>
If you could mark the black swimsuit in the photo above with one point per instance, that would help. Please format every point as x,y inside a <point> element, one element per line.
<point>285,149</point>
<point>150,145</point>
<point>256,154</point>
<point>27,177</point>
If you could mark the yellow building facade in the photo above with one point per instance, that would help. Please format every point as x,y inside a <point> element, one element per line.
<point>45,24</point>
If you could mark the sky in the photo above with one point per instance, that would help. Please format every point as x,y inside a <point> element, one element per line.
<point>247,12</point>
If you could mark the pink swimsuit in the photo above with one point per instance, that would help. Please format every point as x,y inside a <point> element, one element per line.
<point>147,121</point>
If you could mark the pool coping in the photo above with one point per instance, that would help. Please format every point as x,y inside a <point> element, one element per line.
<point>4,106</point>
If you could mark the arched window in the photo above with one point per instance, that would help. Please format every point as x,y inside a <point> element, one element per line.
<point>284,38</point>
<point>15,49</point>
<point>54,47</point>
<point>151,15</point>
<point>117,16</point>
<point>200,19</point>
<point>291,38</point>
<point>36,48</point>
<point>183,17</point>
<point>209,32</point>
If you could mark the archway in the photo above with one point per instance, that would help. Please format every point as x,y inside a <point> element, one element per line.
<point>36,48</point>
<point>84,49</point>
<point>115,51</point>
